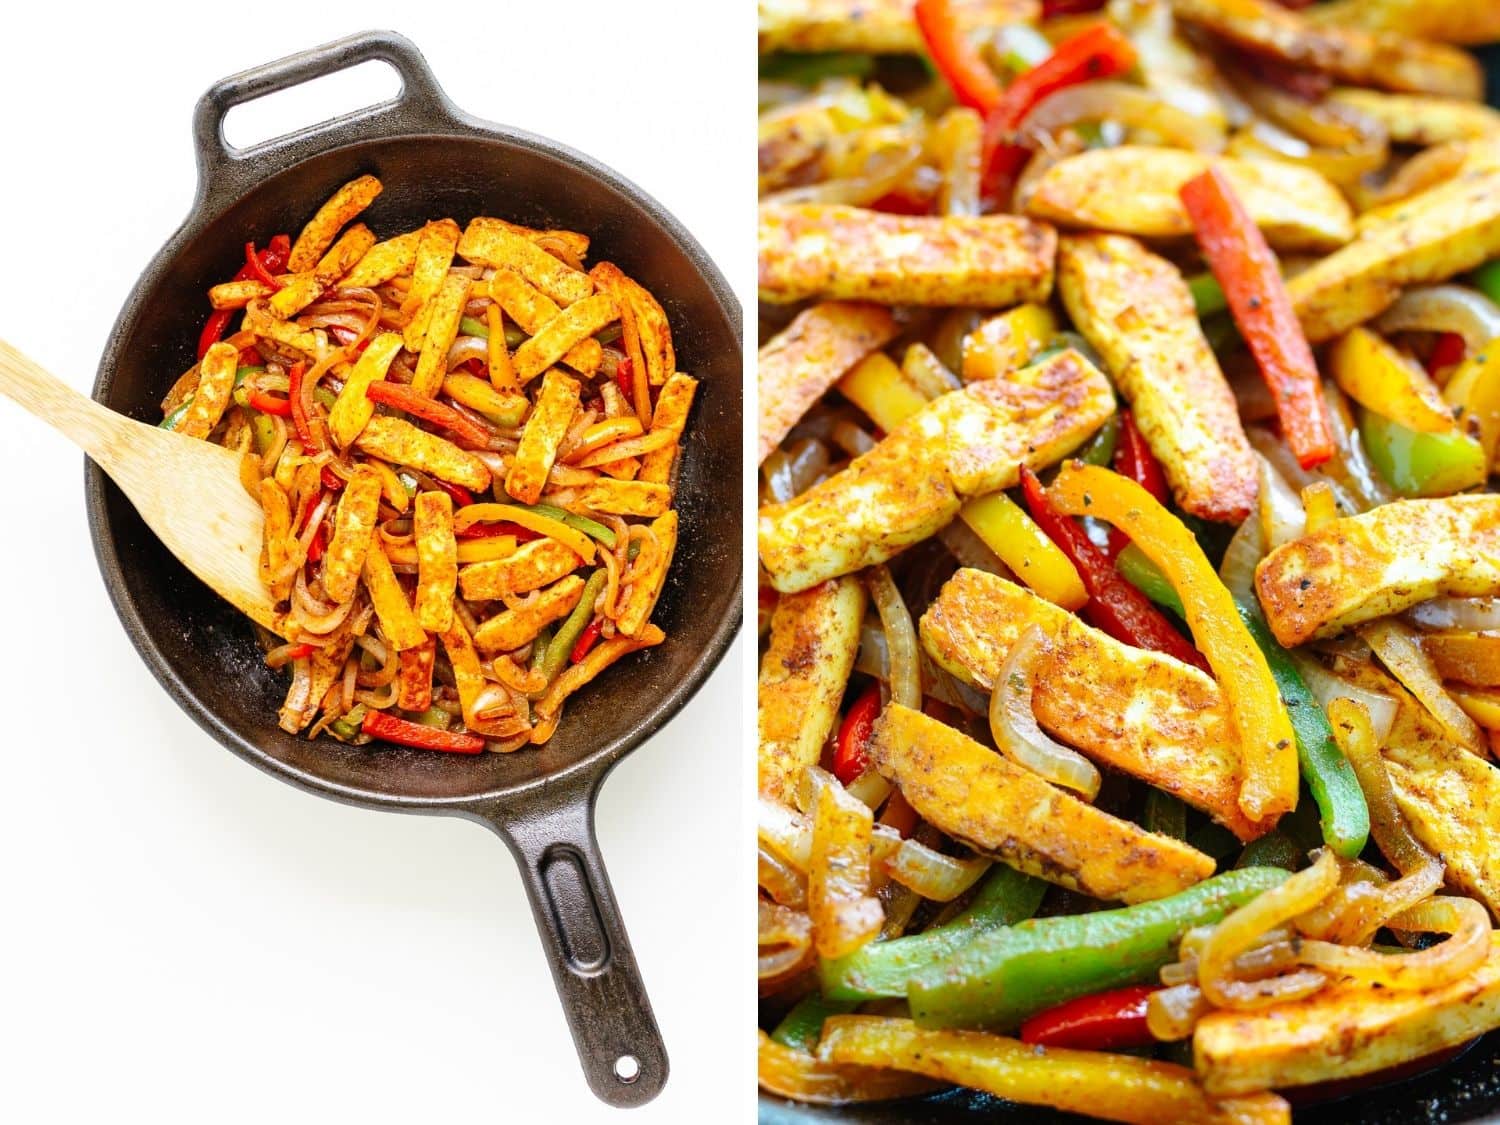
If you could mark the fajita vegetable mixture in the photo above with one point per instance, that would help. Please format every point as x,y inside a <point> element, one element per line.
<point>465,446</point>
<point>1130,574</point>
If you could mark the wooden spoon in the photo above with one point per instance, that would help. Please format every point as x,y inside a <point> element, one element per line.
<point>188,491</point>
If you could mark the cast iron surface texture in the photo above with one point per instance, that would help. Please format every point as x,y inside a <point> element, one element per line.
<point>1467,1089</point>
<point>435,160</point>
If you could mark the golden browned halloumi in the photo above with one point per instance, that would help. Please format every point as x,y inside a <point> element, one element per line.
<point>1443,21</point>
<point>384,261</point>
<point>548,425</point>
<point>966,443</point>
<point>324,226</point>
<point>436,244</point>
<point>814,639</point>
<point>670,416</point>
<point>1343,1031</point>
<point>1139,711</point>
<point>238,293</point>
<point>880,27</point>
<point>353,408</point>
<point>1002,810</point>
<point>646,586</point>
<point>1429,237</point>
<point>216,371</point>
<point>353,525</point>
<point>1137,312</point>
<point>1133,189</point>
<point>821,250</point>
<point>1368,58</point>
<point>397,621</point>
<point>304,288</point>
<point>444,310</point>
<point>1412,119</point>
<point>801,362</point>
<point>534,565</point>
<point>437,560</point>
<point>530,308</point>
<point>491,244</point>
<point>512,628</point>
<point>625,497</point>
<point>398,441</point>
<point>562,333</point>
<point>642,316</point>
<point>1381,562</point>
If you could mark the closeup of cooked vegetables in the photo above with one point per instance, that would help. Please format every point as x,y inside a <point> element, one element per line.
<point>465,444</point>
<point>1129,696</point>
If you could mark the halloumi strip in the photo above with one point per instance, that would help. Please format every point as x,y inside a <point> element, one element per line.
<point>558,336</point>
<point>436,244</point>
<point>545,429</point>
<point>1412,119</point>
<point>879,27</point>
<point>966,443</point>
<point>437,560</point>
<point>237,294</point>
<point>444,311</point>
<point>1368,58</point>
<point>352,410</point>
<point>814,639</point>
<point>1005,811</point>
<point>353,525</point>
<point>397,621</point>
<point>574,242</point>
<point>848,253</point>
<point>1137,312</point>
<point>513,628</point>
<point>670,416</point>
<point>414,676</point>
<point>1430,237</point>
<point>216,371</point>
<point>324,226</point>
<point>305,288</point>
<point>488,243</point>
<point>531,309</point>
<point>1133,189</point>
<point>1444,21</point>
<point>1139,711</point>
<point>646,586</point>
<point>1343,1031</point>
<point>535,564</point>
<point>626,498</point>
<point>383,261</point>
<point>645,315</point>
<point>1379,563</point>
<point>798,365</point>
<point>398,441</point>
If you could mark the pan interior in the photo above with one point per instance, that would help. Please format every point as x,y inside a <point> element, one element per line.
<point>205,653</point>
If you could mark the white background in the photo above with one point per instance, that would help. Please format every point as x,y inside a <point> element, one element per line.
<point>184,936</point>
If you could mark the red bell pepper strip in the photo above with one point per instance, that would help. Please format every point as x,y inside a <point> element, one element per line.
<point>462,497</point>
<point>1096,52</point>
<point>955,57</point>
<point>347,336</point>
<point>316,548</point>
<point>851,754</point>
<point>251,357</point>
<point>213,330</point>
<point>332,481</point>
<point>625,378</point>
<point>899,203</point>
<point>257,267</point>
<point>1105,1021</point>
<point>301,652</point>
<point>1134,459</point>
<point>1114,605</point>
<point>403,732</point>
<point>501,527</point>
<point>1051,9</point>
<point>586,641</point>
<point>270,404</point>
<point>402,397</point>
<point>1250,276</point>
<point>1449,351</point>
<point>300,420</point>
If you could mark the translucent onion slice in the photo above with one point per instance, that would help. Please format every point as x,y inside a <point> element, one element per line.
<point>1445,308</point>
<point>1172,1013</point>
<point>1465,920</point>
<point>779,879</point>
<point>1471,615</point>
<point>784,940</point>
<point>1282,517</point>
<point>1016,732</point>
<point>932,874</point>
<point>1141,111</point>
<point>1402,653</point>
<point>1327,687</point>
<point>900,638</point>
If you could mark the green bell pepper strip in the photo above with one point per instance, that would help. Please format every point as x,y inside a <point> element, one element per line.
<point>1487,279</point>
<point>469,326</point>
<point>1136,567</point>
<point>539,648</point>
<point>1208,295</point>
<point>1001,977</point>
<point>1100,449</point>
<point>592,528</point>
<point>1418,464</point>
<point>1166,815</point>
<point>808,68</point>
<point>434,717</point>
<point>263,430</point>
<point>802,1027</point>
<point>561,645</point>
<point>174,419</point>
<point>1275,849</point>
<point>1329,776</point>
<point>884,968</point>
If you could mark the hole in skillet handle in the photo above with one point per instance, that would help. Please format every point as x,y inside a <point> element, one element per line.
<point>320,100</point>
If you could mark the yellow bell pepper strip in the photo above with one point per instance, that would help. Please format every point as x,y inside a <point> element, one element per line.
<point>1095,1083</point>
<point>1474,390</point>
<point>877,386</point>
<point>528,518</point>
<point>1024,547</point>
<point>1269,787</point>
<point>1374,374</point>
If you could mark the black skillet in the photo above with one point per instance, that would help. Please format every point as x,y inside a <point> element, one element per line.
<point>436,160</point>
<point>1466,1089</point>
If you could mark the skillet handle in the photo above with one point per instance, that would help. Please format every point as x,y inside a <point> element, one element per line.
<point>420,105</point>
<point>603,997</point>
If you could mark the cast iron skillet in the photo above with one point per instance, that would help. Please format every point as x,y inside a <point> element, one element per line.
<point>436,160</point>
<point>1467,1089</point>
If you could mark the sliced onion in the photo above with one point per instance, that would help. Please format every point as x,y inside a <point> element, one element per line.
<point>282,654</point>
<point>785,831</point>
<point>932,874</point>
<point>972,551</point>
<point>1465,920</point>
<point>851,438</point>
<point>870,788</point>
<point>1140,110</point>
<point>1326,687</point>
<point>1173,1012</point>
<point>931,375</point>
<point>1352,732</point>
<point>1340,142</point>
<point>883,171</point>
<point>1445,308</point>
<point>466,348</point>
<point>1282,516</point>
<point>1351,462</point>
<point>900,638</point>
<point>1470,615</point>
<point>785,942</point>
<point>791,471</point>
<point>1245,550</point>
<point>1401,651</point>
<point>1014,726</point>
<point>779,879</point>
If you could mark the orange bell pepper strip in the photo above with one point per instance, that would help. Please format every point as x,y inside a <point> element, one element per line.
<point>955,57</point>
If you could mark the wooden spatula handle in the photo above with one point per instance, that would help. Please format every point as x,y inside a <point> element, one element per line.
<point>94,428</point>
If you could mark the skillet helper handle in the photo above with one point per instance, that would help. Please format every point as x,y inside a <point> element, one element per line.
<point>420,104</point>
<point>598,982</point>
